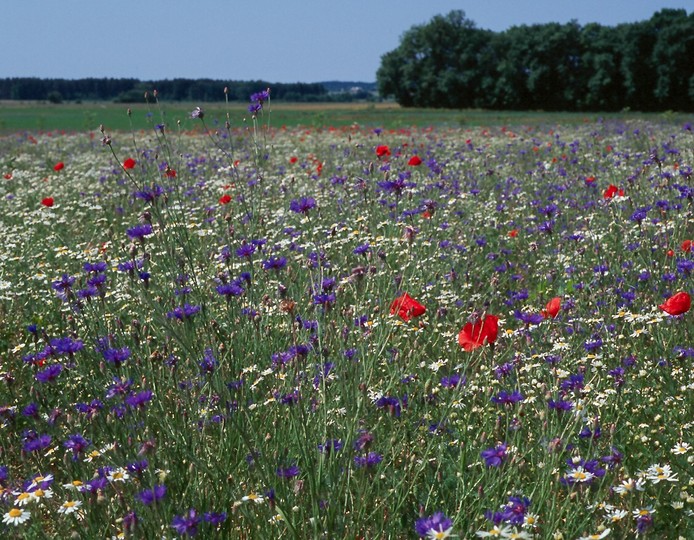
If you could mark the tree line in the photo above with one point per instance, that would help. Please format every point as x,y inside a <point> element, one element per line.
<point>451,63</point>
<point>132,90</point>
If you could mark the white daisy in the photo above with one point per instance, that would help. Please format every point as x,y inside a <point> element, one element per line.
<point>16,516</point>
<point>68,507</point>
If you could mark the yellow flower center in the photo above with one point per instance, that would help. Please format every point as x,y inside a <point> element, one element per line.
<point>15,513</point>
<point>69,504</point>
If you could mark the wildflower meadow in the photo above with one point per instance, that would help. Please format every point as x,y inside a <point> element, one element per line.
<point>231,329</point>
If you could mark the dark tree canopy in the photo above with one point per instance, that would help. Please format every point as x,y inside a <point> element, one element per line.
<point>449,62</point>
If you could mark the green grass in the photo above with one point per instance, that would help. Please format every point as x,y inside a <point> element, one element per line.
<point>21,116</point>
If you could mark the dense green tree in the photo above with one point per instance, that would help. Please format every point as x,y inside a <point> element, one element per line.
<point>449,62</point>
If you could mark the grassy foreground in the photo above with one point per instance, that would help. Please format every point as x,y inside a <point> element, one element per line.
<point>267,332</point>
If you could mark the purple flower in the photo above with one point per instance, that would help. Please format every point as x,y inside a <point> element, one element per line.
<point>150,496</point>
<point>330,446</point>
<point>197,113</point>
<point>288,472</point>
<point>370,460</point>
<point>138,232</point>
<point>261,97</point>
<point>362,249</point>
<point>63,284</point>
<point>116,356</point>
<point>50,374</point>
<point>245,250</point>
<point>275,263</point>
<point>77,444</point>
<point>515,510</point>
<point>560,405</point>
<point>183,312</point>
<point>120,387</point>
<point>528,318</point>
<point>215,518</point>
<point>453,381</point>
<point>66,345</point>
<point>187,524</point>
<point>431,525</point>
<point>504,398</point>
<point>493,457</point>
<point>302,205</point>
<point>139,400</point>
<point>34,442</point>
<point>230,289</point>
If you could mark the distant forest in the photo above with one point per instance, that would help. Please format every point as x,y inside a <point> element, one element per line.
<point>198,90</point>
<point>450,63</point>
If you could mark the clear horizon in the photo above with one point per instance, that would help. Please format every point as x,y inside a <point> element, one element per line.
<point>290,41</point>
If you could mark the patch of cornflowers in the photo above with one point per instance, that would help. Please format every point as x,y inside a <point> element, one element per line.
<point>282,325</point>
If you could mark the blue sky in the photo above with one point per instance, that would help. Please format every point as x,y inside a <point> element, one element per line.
<point>274,40</point>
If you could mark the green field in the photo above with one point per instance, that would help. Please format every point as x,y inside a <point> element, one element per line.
<point>34,116</point>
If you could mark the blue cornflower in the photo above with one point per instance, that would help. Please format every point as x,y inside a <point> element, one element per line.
<point>116,356</point>
<point>183,312</point>
<point>77,443</point>
<point>34,442</point>
<point>66,345</point>
<point>31,410</point>
<point>453,381</point>
<point>528,318</point>
<point>275,263</point>
<point>245,250</point>
<point>50,374</point>
<point>325,300</point>
<point>370,460</point>
<point>560,405</point>
<point>288,472</point>
<point>494,457</point>
<point>187,524</point>
<point>302,205</point>
<point>138,232</point>
<point>120,387</point>
<point>150,496</point>
<point>209,362</point>
<point>504,398</point>
<point>436,526</point>
<point>139,400</point>
<point>515,510</point>
<point>63,284</point>
<point>215,518</point>
<point>362,249</point>
<point>390,403</point>
<point>330,446</point>
<point>261,97</point>
<point>230,289</point>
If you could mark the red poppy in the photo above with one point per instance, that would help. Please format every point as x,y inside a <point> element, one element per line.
<point>8,176</point>
<point>670,253</point>
<point>552,308</point>
<point>293,159</point>
<point>406,307</point>
<point>225,199</point>
<point>129,163</point>
<point>611,191</point>
<point>48,201</point>
<point>171,173</point>
<point>513,233</point>
<point>59,166</point>
<point>382,150</point>
<point>483,332</point>
<point>415,161</point>
<point>677,304</point>
<point>686,246</point>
